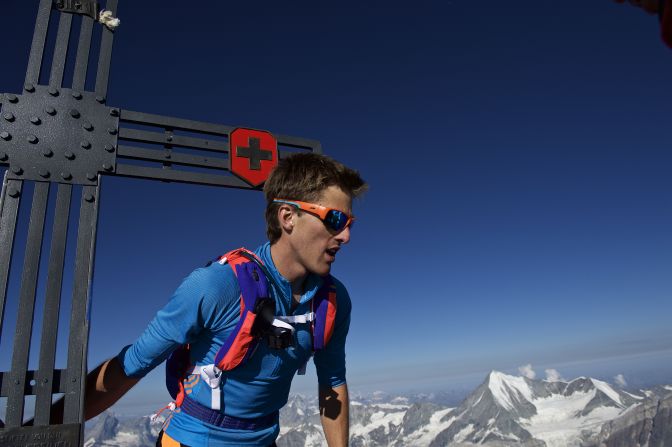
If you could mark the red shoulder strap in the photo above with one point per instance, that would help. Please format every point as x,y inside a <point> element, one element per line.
<point>324,306</point>
<point>240,344</point>
<point>235,257</point>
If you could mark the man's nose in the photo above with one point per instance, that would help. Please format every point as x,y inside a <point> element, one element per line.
<point>344,236</point>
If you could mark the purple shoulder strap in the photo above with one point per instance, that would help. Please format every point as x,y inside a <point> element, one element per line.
<point>321,309</point>
<point>253,285</point>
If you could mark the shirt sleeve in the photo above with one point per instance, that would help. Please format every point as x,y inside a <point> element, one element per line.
<point>330,361</point>
<point>197,304</point>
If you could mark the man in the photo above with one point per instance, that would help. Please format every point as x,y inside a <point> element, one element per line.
<point>308,218</point>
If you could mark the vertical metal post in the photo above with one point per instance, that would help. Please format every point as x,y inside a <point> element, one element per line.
<point>105,57</point>
<point>61,50</point>
<point>44,379</point>
<point>24,324</point>
<point>9,211</point>
<point>79,319</point>
<point>83,49</point>
<point>39,39</point>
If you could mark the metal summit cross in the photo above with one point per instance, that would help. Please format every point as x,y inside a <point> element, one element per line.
<point>68,138</point>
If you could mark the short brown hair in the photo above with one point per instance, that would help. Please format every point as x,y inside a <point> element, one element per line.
<point>304,176</point>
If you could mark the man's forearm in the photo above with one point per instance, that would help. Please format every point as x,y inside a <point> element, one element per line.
<point>104,386</point>
<point>335,415</point>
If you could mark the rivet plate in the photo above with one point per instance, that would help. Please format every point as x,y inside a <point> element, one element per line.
<point>76,122</point>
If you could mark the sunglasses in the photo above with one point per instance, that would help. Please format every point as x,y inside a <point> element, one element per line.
<point>333,219</point>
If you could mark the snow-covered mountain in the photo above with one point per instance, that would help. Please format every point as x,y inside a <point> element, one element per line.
<point>503,411</point>
<point>509,411</point>
<point>111,431</point>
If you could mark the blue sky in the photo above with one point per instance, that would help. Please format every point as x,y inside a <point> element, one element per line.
<point>518,155</point>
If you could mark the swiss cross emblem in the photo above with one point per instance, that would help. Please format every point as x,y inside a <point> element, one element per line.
<point>254,154</point>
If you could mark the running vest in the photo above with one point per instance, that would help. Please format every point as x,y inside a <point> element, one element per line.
<point>252,326</point>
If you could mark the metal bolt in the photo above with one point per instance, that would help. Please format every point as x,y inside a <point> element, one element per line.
<point>32,139</point>
<point>47,152</point>
<point>100,99</point>
<point>69,155</point>
<point>87,126</point>
<point>5,135</point>
<point>53,91</point>
<point>35,120</point>
<point>73,380</point>
<point>44,173</point>
<point>88,197</point>
<point>74,113</point>
<point>114,112</point>
<point>167,155</point>
<point>76,95</point>
<point>78,5</point>
<point>17,381</point>
<point>50,111</point>
<point>85,145</point>
<point>107,167</point>
<point>29,87</point>
<point>91,176</point>
<point>12,98</point>
<point>45,380</point>
<point>8,116</point>
<point>3,156</point>
<point>169,138</point>
<point>112,131</point>
<point>66,175</point>
<point>109,148</point>
<point>13,192</point>
<point>17,170</point>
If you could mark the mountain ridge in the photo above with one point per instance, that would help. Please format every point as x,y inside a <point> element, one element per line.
<point>503,411</point>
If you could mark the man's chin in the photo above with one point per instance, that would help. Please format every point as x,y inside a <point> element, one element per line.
<point>323,270</point>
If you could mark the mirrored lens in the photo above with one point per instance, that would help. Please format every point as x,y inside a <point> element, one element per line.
<point>336,220</point>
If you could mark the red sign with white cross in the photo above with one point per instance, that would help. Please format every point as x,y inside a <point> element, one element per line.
<point>253,154</point>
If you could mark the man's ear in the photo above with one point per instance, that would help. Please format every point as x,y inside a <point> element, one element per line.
<point>286,218</point>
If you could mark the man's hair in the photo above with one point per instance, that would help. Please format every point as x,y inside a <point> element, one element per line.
<point>304,177</point>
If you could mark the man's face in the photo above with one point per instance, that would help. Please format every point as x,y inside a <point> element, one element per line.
<point>314,244</point>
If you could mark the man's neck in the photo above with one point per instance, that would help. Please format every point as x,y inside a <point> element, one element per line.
<point>288,267</point>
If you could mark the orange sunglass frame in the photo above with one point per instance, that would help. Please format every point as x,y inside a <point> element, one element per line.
<point>319,211</point>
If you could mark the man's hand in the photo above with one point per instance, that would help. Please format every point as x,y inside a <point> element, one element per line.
<point>335,415</point>
<point>104,386</point>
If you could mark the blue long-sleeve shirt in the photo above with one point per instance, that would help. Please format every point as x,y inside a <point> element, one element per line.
<point>203,311</point>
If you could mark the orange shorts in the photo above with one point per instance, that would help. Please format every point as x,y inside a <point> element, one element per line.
<point>163,440</point>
